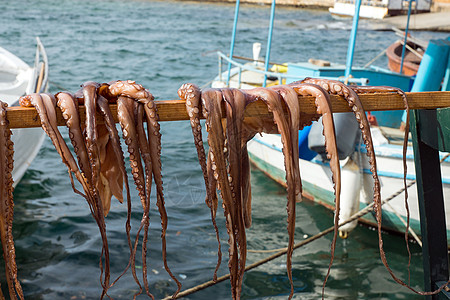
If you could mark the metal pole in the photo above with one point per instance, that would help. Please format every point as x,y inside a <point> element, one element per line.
<point>233,37</point>
<point>269,41</point>
<point>406,35</point>
<point>351,43</point>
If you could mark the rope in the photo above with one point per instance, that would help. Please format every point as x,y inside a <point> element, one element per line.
<point>209,283</point>
<point>415,236</point>
<point>375,58</point>
<point>283,251</point>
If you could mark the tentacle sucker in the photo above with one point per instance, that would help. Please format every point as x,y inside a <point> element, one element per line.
<point>272,99</point>
<point>192,95</point>
<point>323,104</point>
<point>45,105</point>
<point>212,103</point>
<point>7,207</point>
<point>138,93</point>
<point>338,88</point>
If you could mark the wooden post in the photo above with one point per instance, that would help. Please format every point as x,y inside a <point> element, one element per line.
<point>428,139</point>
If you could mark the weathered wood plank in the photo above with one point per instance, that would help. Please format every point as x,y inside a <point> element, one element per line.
<point>174,110</point>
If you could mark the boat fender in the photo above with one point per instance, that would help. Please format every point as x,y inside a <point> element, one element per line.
<point>347,134</point>
<point>350,196</point>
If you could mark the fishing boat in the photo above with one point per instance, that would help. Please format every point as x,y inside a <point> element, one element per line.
<point>377,9</point>
<point>412,58</point>
<point>357,190</point>
<point>414,51</point>
<point>17,79</point>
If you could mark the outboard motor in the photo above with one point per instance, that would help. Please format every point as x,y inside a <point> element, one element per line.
<point>347,134</point>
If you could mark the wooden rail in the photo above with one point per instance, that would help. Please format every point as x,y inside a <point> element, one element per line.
<point>174,110</point>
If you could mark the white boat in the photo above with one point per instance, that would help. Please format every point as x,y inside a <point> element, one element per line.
<point>18,79</point>
<point>265,151</point>
<point>357,191</point>
<point>377,9</point>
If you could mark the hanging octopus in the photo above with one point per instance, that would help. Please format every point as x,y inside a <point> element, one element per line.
<point>45,105</point>
<point>7,207</point>
<point>227,158</point>
<point>100,165</point>
<point>227,166</point>
<point>350,95</point>
<point>142,104</point>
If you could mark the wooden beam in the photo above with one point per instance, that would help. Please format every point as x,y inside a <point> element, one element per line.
<point>174,110</point>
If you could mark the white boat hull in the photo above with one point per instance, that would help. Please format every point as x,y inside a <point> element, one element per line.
<point>18,79</point>
<point>265,153</point>
<point>365,11</point>
<point>27,143</point>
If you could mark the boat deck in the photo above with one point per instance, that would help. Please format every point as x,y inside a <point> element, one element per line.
<point>436,21</point>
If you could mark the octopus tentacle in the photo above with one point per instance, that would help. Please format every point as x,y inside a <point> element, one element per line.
<point>212,102</point>
<point>323,104</point>
<point>7,206</point>
<point>125,108</point>
<point>69,108</point>
<point>246,187</point>
<point>290,98</point>
<point>234,107</point>
<point>241,100</point>
<point>154,138</point>
<point>89,90</point>
<point>192,95</point>
<point>338,88</point>
<point>388,89</point>
<point>136,91</point>
<point>90,102</point>
<point>45,106</point>
<point>146,157</point>
<point>104,110</point>
<point>212,184</point>
<point>271,98</point>
<point>36,101</point>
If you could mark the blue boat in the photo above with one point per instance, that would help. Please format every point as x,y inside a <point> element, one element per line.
<point>357,190</point>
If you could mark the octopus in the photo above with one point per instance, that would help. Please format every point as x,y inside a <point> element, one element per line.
<point>226,167</point>
<point>349,93</point>
<point>229,130</point>
<point>7,207</point>
<point>99,166</point>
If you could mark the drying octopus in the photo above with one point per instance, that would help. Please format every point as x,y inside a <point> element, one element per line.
<point>7,207</point>
<point>100,166</point>
<point>226,166</point>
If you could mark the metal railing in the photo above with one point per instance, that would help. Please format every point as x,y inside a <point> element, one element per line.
<point>280,76</point>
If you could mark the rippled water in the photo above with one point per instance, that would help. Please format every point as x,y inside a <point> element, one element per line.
<point>163,44</point>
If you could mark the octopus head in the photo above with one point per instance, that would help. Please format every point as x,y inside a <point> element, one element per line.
<point>129,88</point>
<point>25,101</point>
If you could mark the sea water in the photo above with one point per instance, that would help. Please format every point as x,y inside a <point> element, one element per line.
<point>161,45</point>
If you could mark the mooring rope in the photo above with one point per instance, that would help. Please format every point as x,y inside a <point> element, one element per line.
<point>283,251</point>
